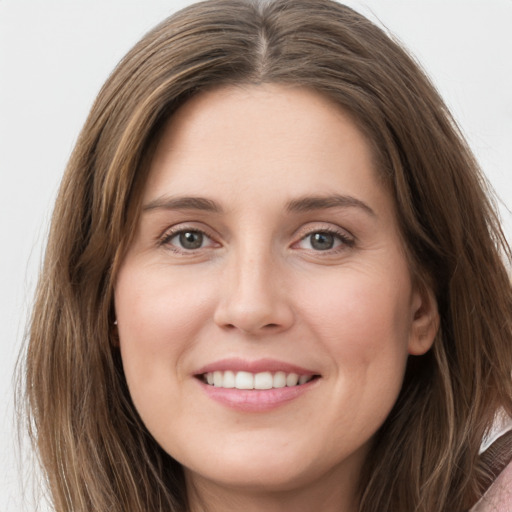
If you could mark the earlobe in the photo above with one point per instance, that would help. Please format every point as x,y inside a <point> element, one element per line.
<point>425,322</point>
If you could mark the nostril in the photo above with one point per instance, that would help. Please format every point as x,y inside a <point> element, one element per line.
<point>252,316</point>
<point>266,327</point>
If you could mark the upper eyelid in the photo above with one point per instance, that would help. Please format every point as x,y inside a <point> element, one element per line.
<point>319,227</point>
<point>184,226</point>
<point>170,232</point>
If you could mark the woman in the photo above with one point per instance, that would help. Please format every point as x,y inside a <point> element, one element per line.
<point>273,280</point>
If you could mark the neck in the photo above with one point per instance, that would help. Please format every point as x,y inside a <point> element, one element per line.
<point>328,494</point>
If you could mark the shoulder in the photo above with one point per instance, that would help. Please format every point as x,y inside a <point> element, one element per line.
<point>498,497</point>
<point>497,458</point>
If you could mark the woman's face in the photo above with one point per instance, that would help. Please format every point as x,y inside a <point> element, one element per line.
<point>267,255</point>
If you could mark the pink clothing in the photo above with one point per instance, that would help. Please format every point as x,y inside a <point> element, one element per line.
<point>498,497</point>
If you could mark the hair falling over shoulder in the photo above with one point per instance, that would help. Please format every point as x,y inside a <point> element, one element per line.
<point>94,449</point>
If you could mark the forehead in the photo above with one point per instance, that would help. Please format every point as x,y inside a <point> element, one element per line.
<point>238,137</point>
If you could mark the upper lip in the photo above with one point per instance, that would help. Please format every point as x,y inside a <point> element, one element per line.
<point>257,366</point>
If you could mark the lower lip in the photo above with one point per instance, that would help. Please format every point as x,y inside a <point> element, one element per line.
<point>256,400</point>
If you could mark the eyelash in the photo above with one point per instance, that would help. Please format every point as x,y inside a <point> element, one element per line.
<point>174,232</point>
<point>346,240</point>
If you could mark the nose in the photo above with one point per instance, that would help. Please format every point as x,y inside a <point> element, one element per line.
<point>253,298</point>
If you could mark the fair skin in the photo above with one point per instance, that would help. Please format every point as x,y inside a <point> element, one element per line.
<point>288,262</point>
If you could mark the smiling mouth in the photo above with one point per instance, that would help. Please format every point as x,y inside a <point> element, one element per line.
<point>259,381</point>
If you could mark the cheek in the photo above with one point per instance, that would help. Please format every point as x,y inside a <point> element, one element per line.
<point>159,320</point>
<point>157,309</point>
<point>363,314</point>
<point>363,323</point>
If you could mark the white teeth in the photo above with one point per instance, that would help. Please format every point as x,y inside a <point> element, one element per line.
<point>292,379</point>
<point>244,380</point>
<point>279,380</point>
<point>263,380</point>
<point>229,380</point>
<point>303,379</point>
<point>247,380</point>
<point>218,379</point>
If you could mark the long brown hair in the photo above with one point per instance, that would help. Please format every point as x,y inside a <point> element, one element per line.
<point>95,451</point>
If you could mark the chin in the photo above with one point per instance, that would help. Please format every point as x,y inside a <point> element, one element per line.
<point>272,475</point>
<point>271,466</point>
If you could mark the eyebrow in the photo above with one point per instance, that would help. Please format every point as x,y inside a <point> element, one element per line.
<point>311,203</point>
<point>183,203</point>
<point>300,205</point>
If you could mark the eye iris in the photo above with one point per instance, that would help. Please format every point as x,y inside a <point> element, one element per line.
<point>322,241</point>
<point>191,239</point>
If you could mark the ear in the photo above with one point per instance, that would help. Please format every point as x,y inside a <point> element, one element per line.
<point>114,334</point>
<point>425,321</point>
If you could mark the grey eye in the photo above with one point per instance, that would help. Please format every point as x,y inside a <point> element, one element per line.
<point>191,239</point>
<point>322,241</point>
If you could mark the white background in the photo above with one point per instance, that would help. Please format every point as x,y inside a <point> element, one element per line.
<point>55,55</point>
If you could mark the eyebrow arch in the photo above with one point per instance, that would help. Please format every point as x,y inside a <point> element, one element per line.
<point>302,204</point>
<point>183,203</point>
<point>309,203</point>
